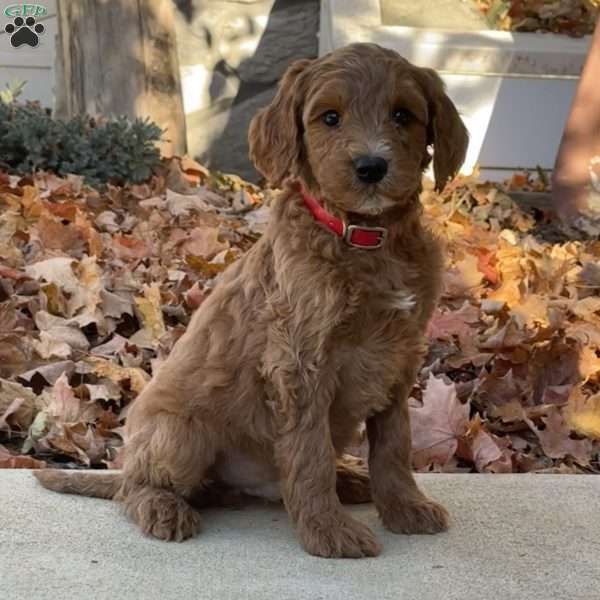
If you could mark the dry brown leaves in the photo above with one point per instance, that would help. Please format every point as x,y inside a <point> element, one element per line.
<point>570,17</point>
<point>512,378</point>
<point>95,288</point>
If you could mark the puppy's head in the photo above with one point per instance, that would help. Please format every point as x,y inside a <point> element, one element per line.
<point>358,124</point>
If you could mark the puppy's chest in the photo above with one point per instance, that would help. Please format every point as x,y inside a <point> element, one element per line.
<point>378,307</point>
<point>371,349</point>
<point>369,340</point>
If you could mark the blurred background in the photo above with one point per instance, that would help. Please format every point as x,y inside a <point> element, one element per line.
<point>202,68</point>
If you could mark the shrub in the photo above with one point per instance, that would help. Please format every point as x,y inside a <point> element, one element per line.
<point>108,150</point>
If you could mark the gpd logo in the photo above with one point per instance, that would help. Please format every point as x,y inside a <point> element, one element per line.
<point>24,29</point>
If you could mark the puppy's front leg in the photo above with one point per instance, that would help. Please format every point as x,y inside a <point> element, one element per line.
<point>403,508</point>
<point>307,463</point>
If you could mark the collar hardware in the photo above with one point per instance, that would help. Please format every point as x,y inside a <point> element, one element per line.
<point>357,236</point>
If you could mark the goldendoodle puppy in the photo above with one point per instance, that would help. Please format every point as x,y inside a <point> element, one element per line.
<point>317,329</point>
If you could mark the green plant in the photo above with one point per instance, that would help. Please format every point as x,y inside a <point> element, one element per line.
<point>103,151</point>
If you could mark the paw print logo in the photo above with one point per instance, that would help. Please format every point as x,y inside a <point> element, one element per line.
<point>24,31</point>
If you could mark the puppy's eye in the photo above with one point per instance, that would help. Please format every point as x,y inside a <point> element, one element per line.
<point>331,118</point>
<point>403,116</point>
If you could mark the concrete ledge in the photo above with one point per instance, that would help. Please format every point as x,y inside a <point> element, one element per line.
<point>512,537</point>
<point>485,52</point>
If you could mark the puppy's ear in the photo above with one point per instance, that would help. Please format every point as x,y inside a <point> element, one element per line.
<point>446,131</point>
<point>275,134</point>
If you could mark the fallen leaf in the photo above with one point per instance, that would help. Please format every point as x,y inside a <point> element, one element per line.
<point>556,441</point>
<point>464,277</point>
<point>204,267</point>
<point>204,242</point>
<point>589,364</point>
<point>110,348</point>
<point>107,390</point>
<point>78,441</point>
<point>58,270</point>
<point>12,461</point>
<point>496,390</point>
<point>181,205</point>
<point>63,406</point>
<point>530,311</point>
<point>115,305</point>
<point>150,310</point>
<point>17,405</point>
<point>105,368</point>
<point>445,325</point>
<point>80,280</point>
<point>504,337</point>
<point>128,248</point>
<point>55,235</point>
<point>50,372</point>
<point>486,261</point>
<point>189,165</point>
<point>58,337</point>
<point>484,451</point>
<point>587,334</point>
<point>583,414</point>
<point>437,425</point>
<point>586,308</point>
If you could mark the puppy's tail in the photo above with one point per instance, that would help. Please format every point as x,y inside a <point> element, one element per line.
<point>96,484</point>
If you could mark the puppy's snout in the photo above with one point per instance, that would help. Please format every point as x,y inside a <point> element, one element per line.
<point>370,169</point>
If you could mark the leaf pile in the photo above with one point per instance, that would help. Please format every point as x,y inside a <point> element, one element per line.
<point>512,378</point>
<point>96,287</point>
<point>571,17</point>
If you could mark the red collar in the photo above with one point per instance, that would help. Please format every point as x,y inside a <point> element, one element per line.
<point>369,238</point>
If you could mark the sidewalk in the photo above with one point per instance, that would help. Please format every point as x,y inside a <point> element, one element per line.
<point>524,537</point>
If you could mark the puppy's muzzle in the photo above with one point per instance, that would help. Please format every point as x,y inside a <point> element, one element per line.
<point>370,169</point>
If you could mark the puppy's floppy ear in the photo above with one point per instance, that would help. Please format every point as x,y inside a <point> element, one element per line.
<point>275,134</point>
<point>446,131</point>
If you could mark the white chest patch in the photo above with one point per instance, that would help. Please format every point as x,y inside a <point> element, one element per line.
<point>399,300</point>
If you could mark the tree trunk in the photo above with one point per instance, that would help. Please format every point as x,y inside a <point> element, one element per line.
<point>118,57</point>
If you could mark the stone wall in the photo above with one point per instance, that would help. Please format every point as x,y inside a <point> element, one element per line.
<point>231,55</point>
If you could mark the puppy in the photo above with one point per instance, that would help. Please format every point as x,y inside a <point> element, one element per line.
<point>317,329</point>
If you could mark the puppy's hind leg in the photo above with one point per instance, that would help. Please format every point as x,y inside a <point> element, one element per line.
<point>165,465</point>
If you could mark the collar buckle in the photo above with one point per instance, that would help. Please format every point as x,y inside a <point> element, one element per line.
<point>349,231</point>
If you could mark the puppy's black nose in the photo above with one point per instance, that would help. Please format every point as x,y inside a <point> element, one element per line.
<point>370,169</point>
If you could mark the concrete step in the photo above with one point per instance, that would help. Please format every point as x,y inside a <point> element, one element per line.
<point>433,14</point>
<point>512,537</point>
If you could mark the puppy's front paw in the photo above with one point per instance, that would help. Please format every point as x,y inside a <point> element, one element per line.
<point>339,536</point>
<point>416,516</point>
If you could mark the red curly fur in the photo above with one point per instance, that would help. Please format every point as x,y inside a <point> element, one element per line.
<point>306,337</point>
